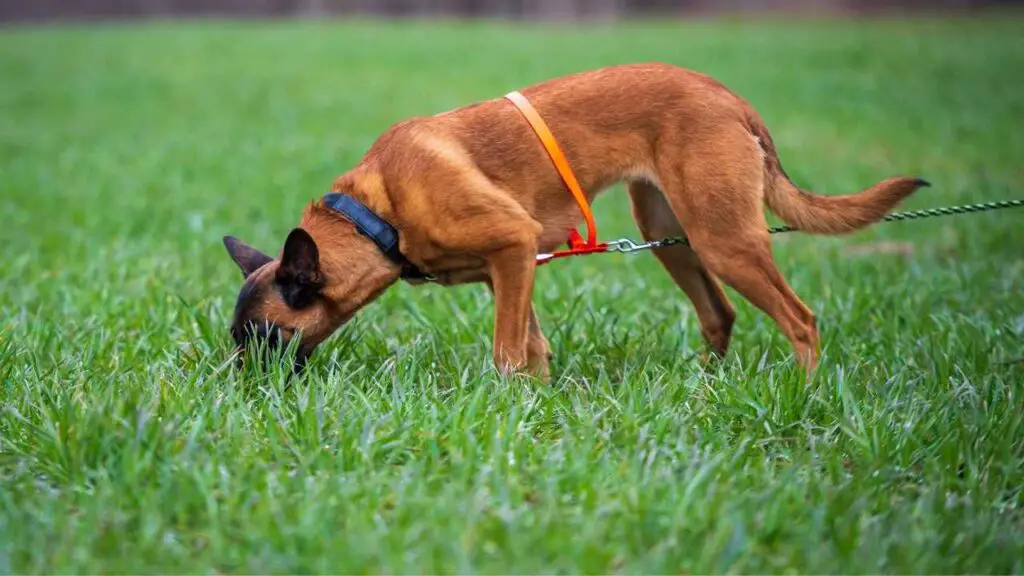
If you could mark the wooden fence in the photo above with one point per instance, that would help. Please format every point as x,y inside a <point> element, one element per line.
<point>30,10</point>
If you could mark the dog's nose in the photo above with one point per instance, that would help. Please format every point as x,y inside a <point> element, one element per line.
<point>269,333</point>
<point>264,334</point>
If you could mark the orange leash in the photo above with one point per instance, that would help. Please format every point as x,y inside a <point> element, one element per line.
<point>547,139</point>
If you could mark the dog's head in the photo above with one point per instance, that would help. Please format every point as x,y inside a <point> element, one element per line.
<point>305,294</point>
<point>280,299</point>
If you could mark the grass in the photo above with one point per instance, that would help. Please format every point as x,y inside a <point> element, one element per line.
<point>128,443</point>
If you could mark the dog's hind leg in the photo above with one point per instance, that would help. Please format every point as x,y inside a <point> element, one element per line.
<point>716,191</point>
<point>656,220</point>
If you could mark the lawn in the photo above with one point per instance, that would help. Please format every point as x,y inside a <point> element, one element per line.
<point>129,443</point>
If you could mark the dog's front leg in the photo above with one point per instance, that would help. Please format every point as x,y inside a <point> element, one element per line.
<point>512,270</point>
<point>538,350</point>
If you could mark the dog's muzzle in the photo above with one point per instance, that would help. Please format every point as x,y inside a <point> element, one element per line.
<point>269,339</point>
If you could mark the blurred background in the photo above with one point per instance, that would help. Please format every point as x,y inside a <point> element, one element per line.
<point>32,10</point>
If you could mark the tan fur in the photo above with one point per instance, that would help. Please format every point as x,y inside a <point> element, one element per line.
<point>475,198</point>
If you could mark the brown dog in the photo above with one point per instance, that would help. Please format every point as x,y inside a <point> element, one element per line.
<point>470,195</point>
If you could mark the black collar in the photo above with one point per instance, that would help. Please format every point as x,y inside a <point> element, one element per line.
<point>383,234</point>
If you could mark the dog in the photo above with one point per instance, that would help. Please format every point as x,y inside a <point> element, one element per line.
<point>471,196</point>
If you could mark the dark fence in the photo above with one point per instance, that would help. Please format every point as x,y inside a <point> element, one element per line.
<point>29,10</point>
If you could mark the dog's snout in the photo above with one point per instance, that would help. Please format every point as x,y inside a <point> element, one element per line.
<point>269,333</point>
<point>269,338</point>
<point>262,332</point>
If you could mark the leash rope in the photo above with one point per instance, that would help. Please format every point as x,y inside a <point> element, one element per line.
<point>626,246</point>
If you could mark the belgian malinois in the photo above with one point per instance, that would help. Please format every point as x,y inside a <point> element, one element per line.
<point>470,195</point>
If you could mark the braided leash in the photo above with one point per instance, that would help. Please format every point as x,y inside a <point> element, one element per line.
<point>626,245</point>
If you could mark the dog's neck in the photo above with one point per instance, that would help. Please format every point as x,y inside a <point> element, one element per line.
<point>354,269</point>
<point>360,196</point>
<point>367,186</point>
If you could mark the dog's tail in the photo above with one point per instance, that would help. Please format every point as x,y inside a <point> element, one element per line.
<point>830,215</point>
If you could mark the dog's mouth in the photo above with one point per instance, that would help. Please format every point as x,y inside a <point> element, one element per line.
<point>267,357</point>
<point>266,342</point>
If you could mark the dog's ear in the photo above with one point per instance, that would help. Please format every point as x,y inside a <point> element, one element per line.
<point>299,273</point>
<point>248,258</point>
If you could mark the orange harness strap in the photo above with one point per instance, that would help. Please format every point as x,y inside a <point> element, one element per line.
<point>576,244</point>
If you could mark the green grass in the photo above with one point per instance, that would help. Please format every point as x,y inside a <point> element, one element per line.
<point>128,442</point>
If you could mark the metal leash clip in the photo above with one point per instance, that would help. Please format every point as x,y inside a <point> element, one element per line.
<point>626,246</point>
